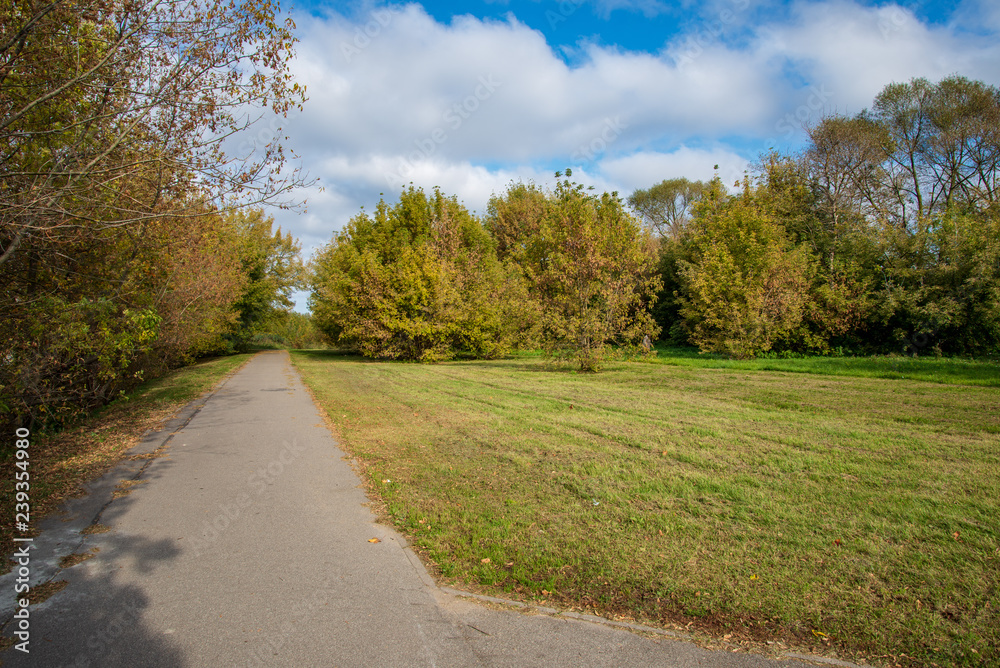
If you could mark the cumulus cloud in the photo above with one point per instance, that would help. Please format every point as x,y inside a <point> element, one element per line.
<point>643,169</point>
<point>488,90</point>
<point>855,50</point>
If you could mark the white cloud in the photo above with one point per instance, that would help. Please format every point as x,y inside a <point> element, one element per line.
<point>978,16</point>
<point>855,51</point>
<point>644,169</point>
<point>496,91</point>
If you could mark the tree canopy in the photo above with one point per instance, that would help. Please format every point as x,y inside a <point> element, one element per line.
<point>881,236</point>
<point>589,265</point>
<point>118,252</point>
<point>417,280</point>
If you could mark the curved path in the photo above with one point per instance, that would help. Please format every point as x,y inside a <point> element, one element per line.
<point>247,542</point>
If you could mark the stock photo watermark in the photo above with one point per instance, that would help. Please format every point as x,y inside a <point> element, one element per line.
<point>264,136</point>
<point>378,20</point>
<point>257,482</point>
<point>125,618</point>
<point>453,118</point>
<point>293,616</point>
<point>895,19</point>
<point>564,10</point>
<point>914,343</point>
<point>588,153</point>
<point>814,105</point>
<point>22,555</point>
<point>709,32</point>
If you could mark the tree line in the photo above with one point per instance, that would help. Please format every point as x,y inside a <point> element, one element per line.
<point>426,280</point>
<point>131,238</point>
<point>881,236</point>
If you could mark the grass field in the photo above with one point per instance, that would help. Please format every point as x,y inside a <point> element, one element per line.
<point>855,516</point>
<point>60,462</point>
<point>935,370</point>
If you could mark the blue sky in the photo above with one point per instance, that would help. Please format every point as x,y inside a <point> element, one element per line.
<point>471,96</point>
<point>633,26</point>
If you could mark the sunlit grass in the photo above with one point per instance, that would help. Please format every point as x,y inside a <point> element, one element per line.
<point>927,368</point>
<point>847,514</point>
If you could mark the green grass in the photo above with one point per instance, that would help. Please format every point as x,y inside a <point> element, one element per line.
<point>850,515</point>
<point>185,384</point>
<point>947,370</point>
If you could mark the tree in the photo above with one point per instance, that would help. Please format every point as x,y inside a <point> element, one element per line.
<point>879,237</point>
<point>297,330</point>
<point>114,121</point>
<point>119,308</point>
<point>589,265</point>
<point>902,187</point>
<point>112,112</point>
<point>921,149</point>
<point>419,280</point>
<point>941,287</point>
<point>746,286</point>
<point>272,268</point>
<point>188,272</point>
<point>844,165</point>
<point>666,207</point>
<point>840,248</point>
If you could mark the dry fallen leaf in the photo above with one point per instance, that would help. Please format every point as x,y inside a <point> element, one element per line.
<point>485,560</point>
<point>374,540</point>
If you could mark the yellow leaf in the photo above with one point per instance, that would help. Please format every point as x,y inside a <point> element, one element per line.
<point>374,540</point>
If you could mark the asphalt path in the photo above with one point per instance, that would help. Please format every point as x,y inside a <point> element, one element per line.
<point>246,541</point>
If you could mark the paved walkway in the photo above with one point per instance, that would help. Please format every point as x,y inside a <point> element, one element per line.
<point>248,544</point>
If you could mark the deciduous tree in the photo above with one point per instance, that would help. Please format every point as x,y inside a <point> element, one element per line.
<point>667,206</point>
<point>746,286</point>
<point>417,280</point>
<point>590,266</point>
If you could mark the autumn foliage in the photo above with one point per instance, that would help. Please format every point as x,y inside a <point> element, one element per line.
<point>418,280</point>
<point>119,256</point>
<point>589,266</point>
<point>882,236</point>
<point>425,280</point>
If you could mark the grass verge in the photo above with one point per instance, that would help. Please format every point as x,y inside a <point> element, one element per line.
<point>946,370</point>
<point>60,463</point>
<point>847,515</point>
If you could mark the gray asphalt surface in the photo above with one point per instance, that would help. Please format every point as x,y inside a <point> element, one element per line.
<point>247,544</point>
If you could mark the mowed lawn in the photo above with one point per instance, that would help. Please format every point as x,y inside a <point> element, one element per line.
<point>853,516</point>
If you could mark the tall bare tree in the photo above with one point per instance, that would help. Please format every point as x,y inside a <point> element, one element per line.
<point>921,149</point>
<point>666,207</point>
